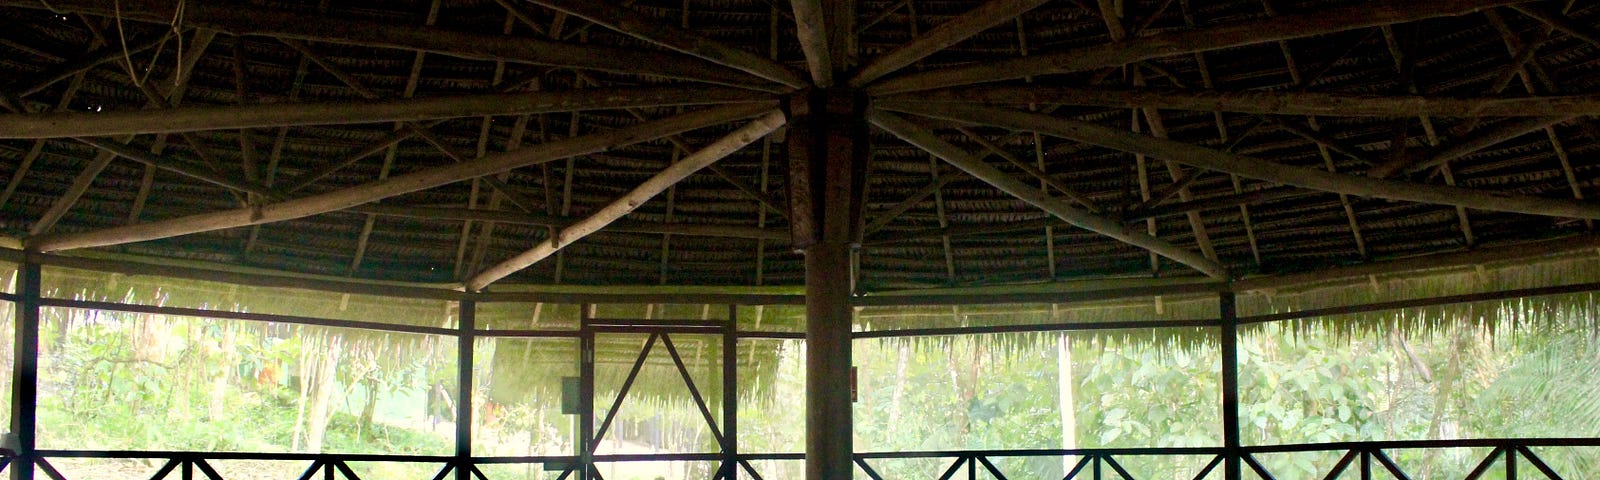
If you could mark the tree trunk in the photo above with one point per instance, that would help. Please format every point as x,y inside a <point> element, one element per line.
<point>1069,414</point>
<point>369,410</point>
<point>219,384</point>
<point>899,391</point>
<point>321,409</point>
<point>307,344</point>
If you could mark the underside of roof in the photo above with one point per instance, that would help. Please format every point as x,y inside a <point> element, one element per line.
<point>428,140</point>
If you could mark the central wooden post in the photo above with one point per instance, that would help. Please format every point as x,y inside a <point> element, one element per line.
<point>827,157</point>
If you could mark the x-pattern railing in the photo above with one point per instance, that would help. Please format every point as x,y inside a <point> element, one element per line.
<point>1363,460</point>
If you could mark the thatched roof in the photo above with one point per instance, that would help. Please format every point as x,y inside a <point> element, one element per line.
<point>1424,93</point>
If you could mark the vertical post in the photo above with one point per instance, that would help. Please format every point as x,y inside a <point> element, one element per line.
<point>1511,463</point>
<point>1230,387</point>
<point>827,156</point>
<point>466,322</point>
<point>586,394</point>
<point>25,370</point>
<point>730,394</point>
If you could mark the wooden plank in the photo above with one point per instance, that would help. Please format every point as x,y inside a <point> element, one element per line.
<point>1253,32</point>
<point>927,140</point>
<point>975,21</point>
<point>1257,168</point>
<point>1264,102</point>
<point>240,19</point>
<point>632,200</point>
<point>422,180</point>
<point>188,119</point>
<point>631,22</point>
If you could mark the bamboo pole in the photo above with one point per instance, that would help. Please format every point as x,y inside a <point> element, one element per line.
<point>632,200</point>
<point>1264,102</point>
<point>239,20</point>
<point>927,140</point>
<point>350,197</point>
<point>189,119</point>
<point>648,29</point>
<point>1259,169</point>
<point>1273,29</point>
<point>975,21</point>
<point>811,28</point>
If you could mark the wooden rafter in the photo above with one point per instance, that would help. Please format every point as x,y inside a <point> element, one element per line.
<point>240,19</point>
<point>543,220</point>
<point>188,119</point>
<point>1259,169</point>
<point>631,22</point>
<point>1481,140</point>
<point>988,15</point>
<point>1264,102</point>
<point>811,27</point>
<point>927,140</point>
<point>23,87</point>
<point>411,182</point>
<point>614,211</point>
<point>1186,41</point>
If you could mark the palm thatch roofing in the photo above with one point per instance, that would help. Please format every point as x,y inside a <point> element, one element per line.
<point>369,139</point>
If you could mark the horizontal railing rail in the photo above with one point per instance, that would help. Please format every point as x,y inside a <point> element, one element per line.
<point>1089,464</point>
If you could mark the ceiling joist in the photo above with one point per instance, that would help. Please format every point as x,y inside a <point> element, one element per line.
<point>398,185</point>
<point>614,211</point>
<point>241,19</point>
<point>927,140</point>
<point>1181,42</point>
<point>991,13</point>
<point>198,118</point>
<point>1264,102</point>
<point>1256,168</point>
<point>631,22</point>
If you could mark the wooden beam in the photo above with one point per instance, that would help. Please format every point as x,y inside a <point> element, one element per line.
<point>23,87</point>
<point>632,200</point>
<point>975,21</point>
<point>80,184</point>
<point>927,140</point>
<point>811,28</point>
<point>543,220</point>
<point>1264,102</point>
<point>240,19</point>
<point>1253,32</point>
<point>631,22</point>
<point>1036,172</point>
<point>188,119</point>
<point>1439,156</point>
<point>412,182</point>
<point>1561,22</point>
<point>1517,252</point>
<point>1256,168</point>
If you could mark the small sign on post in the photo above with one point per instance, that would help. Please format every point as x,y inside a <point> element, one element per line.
<point>570,395</point>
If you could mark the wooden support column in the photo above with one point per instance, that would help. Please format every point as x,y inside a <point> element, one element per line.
<point>827,157</point>
<point>466,322</point>
<point>1232,454</point>
<point>730,394</point>
<point>585,451</point>
<point>25,371</point>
